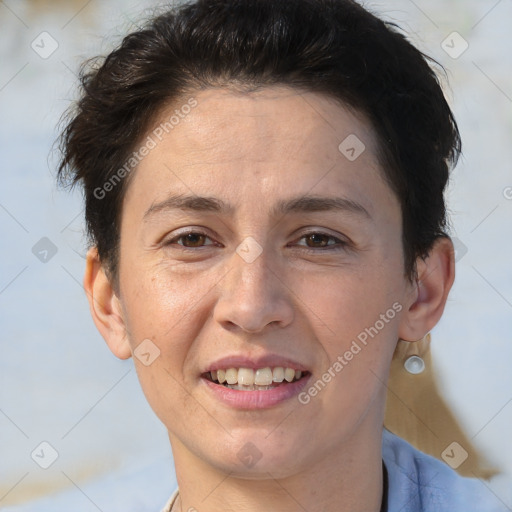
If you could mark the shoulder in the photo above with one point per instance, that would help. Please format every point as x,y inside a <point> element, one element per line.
<point>421,483</point>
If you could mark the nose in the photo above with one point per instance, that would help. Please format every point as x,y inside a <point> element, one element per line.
<point>253,295</point>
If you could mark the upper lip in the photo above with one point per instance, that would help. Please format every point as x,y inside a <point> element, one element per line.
<point>263,361</point>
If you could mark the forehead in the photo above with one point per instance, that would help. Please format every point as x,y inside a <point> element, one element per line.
<point>273,118</point>
<point>256,146</point>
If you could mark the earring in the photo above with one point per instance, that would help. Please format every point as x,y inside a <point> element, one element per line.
<point>414,363</point>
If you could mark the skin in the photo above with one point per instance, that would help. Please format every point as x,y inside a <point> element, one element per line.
<point>295,299</point>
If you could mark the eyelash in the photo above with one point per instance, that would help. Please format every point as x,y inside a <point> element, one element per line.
<point>339,245</point>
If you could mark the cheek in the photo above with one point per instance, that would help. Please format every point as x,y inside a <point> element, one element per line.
<point>357,316</point>
<point>158,301</point>
<point>358,329</point>
<point>348,302</point>
<point>163,309</point>
<point>167,396</point>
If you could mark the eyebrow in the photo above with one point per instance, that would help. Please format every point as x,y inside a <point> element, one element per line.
<point>304,204</point>
<point>301,204</point>
<point>189,202</point>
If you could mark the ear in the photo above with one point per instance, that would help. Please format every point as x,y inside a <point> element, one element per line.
<point>436,274</point>
<point>105,306</point>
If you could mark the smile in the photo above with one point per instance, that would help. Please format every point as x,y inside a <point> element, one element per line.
<point>249,379</point>
<point>255,388</point>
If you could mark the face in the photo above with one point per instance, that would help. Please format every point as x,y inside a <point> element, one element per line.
<point>255,248</point>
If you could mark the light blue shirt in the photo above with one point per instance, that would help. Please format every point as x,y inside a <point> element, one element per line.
<point>417,483</point>
<point>421,483</point>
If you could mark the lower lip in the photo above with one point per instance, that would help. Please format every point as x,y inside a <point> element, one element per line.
<point>256,399</point>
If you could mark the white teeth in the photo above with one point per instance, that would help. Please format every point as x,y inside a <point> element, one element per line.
<point>263,377</point>
<point>289,374</point>
<point>247,378</point>
<point>278,374</point>
<point>231,375</point>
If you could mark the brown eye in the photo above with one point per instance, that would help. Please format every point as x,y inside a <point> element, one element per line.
<point>317,240</point>
<point>193,239</point>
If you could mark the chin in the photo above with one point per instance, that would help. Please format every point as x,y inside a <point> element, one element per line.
<point>254,457</point>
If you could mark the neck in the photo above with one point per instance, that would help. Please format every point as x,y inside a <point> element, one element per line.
<point>348,478</point>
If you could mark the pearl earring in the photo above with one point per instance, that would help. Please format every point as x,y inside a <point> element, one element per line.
<point>415,364</point>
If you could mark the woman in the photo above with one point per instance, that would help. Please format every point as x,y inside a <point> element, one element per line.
<point>264,196</point>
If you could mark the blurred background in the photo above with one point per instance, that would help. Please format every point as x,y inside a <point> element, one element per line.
<point>60,385</point>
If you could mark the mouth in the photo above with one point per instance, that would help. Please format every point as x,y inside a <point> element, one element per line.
<point>260,382</point>
<point>255,379</point>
